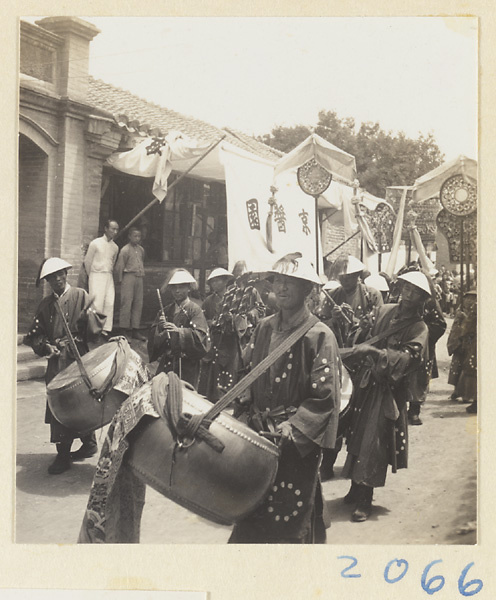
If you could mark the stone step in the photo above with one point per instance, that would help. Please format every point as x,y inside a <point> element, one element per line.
<point>26,354</point>
<point>20,337</point>
<point>31,370</point>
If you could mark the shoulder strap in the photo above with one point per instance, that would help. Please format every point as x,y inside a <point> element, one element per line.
<point>262,366</point>
<point>346,352</point>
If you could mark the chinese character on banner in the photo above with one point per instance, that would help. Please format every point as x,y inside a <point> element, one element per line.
<point>155,146</point>
<point>252,210</point>
<point>280,218</point>
<point>304,219</point>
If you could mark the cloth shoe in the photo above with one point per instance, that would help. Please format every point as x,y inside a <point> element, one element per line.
<point>139,336</point>
<point>414,414</point>
<point>62,461</point>
<point>414,420</point>
<point>364,506</point>
<point>87,450</point>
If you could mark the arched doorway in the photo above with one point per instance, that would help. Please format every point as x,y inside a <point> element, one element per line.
<point>33,186</point>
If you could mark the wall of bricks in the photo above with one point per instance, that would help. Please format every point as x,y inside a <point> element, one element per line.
<point>332,236</point>
<point>33,171</point>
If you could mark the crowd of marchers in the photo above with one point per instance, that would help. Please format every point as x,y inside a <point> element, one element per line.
<point>359,353</point>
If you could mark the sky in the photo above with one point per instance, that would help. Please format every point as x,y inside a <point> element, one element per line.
<point>410,74</point>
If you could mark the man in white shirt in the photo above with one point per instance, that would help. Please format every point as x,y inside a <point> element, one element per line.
<point>99,263</point>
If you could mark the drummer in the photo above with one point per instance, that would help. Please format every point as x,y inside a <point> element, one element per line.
<point>47,337</point>
<point>298,398</point>
<point>179,338</point>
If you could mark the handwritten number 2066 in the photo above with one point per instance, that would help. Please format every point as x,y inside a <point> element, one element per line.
<point>396,569</point>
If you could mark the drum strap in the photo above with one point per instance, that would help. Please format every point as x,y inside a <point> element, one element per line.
<point>167,397</point>
<point>259,369</point>
<point>191,425</point>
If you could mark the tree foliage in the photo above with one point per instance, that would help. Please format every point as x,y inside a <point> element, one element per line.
<point>383,158</point>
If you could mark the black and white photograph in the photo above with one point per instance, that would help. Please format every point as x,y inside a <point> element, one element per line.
<point>247,282</point>
<point>181,219</point>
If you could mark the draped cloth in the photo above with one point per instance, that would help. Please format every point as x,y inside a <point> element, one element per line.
<point>117,496</point>
<point>153,157</point>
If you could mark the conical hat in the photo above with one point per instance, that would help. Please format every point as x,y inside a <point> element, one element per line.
<point>354,266</point>
<point>378,282</point>
<point>418,279</point>
<point>294,265</point>
<point>181,276</point>
<point>220,272</point>
<point>332,284</point>
<point>52,265</point>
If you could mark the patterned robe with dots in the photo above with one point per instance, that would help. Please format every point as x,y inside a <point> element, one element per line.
<point>378,430</point>
<point>303,387</point>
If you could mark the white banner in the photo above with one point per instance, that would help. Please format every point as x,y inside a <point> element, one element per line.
<point>248,183</point>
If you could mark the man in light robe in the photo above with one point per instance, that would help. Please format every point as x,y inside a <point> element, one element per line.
<point>99,264</point>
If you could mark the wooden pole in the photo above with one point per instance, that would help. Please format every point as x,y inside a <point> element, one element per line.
<point>342,243</point>
<point>175,182</point>
<point>461,263</point>
<point>316,234</point>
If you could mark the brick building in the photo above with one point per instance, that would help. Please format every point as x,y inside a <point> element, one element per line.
<point>69,124</point>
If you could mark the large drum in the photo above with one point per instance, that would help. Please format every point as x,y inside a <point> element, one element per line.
<point>220,486</point>
<point>69,397</point>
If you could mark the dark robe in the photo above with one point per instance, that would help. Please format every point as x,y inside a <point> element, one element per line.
<point>47,327</point>
<point>462,345</point>
<point>180,351</point>
<point>378,431</point>
<point>303,387</point>
<point>363,302</point>
<point>436,324</point>
<point>242,308</point>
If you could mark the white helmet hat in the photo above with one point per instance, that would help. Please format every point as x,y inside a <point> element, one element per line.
<point>418,279</point>
<point>220,272</point>
<point>332,284</point>
<point>294,265</point>
<point>181,276</point>
<point>52,265</point>
<point>378,282</point>
<point>354,266</point>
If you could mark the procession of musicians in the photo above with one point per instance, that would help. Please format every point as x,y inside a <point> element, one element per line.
<point>339,361</point>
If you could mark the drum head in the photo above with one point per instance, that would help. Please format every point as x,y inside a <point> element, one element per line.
<point>346,389</point>
<point>94,362</point>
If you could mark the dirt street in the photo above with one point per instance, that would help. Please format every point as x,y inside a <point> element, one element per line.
<point>431,502</point>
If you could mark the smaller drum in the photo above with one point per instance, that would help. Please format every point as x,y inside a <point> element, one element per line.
<point>346,392</point>
<point>69,398</point>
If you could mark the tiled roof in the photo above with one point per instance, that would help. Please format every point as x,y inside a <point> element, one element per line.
<point>140,115</point>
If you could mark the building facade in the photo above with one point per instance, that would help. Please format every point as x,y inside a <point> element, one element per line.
<point>69,124</point>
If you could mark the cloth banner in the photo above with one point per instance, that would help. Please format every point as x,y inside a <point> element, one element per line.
<point>429,185</point>
<point>425,261</point>
<point>398,229</point>
<point>153,157</point>
<point>330,157</point>
<point>248,183</point>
